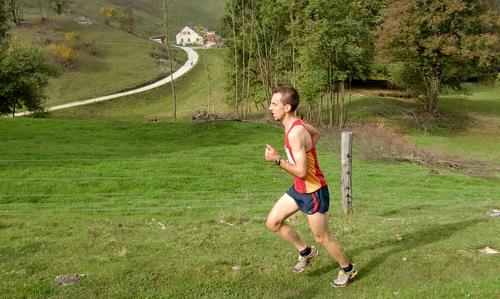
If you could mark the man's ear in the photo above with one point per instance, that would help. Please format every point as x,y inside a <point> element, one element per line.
<point>288,108</point>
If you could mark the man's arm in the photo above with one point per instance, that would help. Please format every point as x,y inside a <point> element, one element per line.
<point>297,140</point>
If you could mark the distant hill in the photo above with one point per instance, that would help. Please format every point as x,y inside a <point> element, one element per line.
<point>104,60</point>
<point>148,13</point>
<point>206,13</point>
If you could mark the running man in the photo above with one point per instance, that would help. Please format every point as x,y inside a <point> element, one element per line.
<point>309,192</point>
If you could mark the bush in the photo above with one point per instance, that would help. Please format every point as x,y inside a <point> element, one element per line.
<point>24,74</point>
<point>61,54</point>
<point>72,37</point>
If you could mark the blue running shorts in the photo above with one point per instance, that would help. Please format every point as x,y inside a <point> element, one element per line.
<point>310,203</point>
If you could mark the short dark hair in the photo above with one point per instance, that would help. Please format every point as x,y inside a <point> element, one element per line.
<point>289,95</point>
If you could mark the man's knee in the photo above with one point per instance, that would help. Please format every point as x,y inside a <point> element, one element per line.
<point>273,225</point>
<point>319,239</point>
<point>322,239</point>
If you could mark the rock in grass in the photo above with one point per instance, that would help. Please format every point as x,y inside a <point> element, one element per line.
<point>493,213</point>
<point>235,268</point>
<point>488,250</point>
<point>67,279</point>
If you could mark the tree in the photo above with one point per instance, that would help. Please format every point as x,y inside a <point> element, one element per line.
<point>44,6</point>
<point>16,10</point>
<point>24,74</point>
<point>127,20</point>
<point>335,49</point>
<point>108,13</point>
<point>257,51</point>
<point>57,5</point>
<point>317,45</point>
<point>4,25</point>
<point>438,44</point>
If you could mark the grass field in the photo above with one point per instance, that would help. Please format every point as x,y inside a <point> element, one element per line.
<point>178,210</point>
<point>471,128</point>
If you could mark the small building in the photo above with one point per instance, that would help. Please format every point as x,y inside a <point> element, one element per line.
<point>158,38</point>
<point>188,36</point>
<point>211,39</point>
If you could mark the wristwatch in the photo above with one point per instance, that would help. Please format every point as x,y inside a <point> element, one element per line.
<point>277,161</point>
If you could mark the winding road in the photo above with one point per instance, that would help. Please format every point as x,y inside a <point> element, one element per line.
<point>192,60</point>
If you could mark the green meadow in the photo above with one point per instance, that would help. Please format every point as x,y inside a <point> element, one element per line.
<point>178,210</point>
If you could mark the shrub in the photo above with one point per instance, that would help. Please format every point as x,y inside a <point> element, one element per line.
<point>61,54</point>
<point>72,37</point>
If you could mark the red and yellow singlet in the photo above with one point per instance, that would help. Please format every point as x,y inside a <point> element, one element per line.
<point>314,179</point>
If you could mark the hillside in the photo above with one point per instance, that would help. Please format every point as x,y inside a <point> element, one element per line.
<point>206,13</point>
<point>192,96</point>
<point>148,13</point>
<point>105,60</point>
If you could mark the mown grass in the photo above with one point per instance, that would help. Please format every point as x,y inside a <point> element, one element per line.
<point>89,196</point>
<point>123,61</point>
<point>192,96</point>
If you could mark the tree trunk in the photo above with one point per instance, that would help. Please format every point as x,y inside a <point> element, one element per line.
<point>320,109</point>
<point>208,79</point>
<point>337,107</point>
<point>432,85</point>
<point>341,105</point>
<point>292,34</point>
<point>332,107</point>
<point>170,58</point>
<point>310,115</point>
<point>244,94</point>
<point>346,107</point>
<point>15,10</point>
<point>233,12</point>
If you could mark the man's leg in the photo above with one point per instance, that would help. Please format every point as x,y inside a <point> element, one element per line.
<point>275,222</point>
<point>319,227</point>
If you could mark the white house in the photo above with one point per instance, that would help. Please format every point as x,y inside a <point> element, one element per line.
<point>188,36</point>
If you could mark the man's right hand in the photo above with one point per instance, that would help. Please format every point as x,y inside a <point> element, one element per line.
<point>270,153</point>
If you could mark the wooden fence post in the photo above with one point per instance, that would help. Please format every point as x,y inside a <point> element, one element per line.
<point>346,178</point>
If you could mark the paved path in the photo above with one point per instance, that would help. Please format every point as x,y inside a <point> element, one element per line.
<point>192,60</point>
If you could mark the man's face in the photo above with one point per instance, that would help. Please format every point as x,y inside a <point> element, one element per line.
<point>277,108</point>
